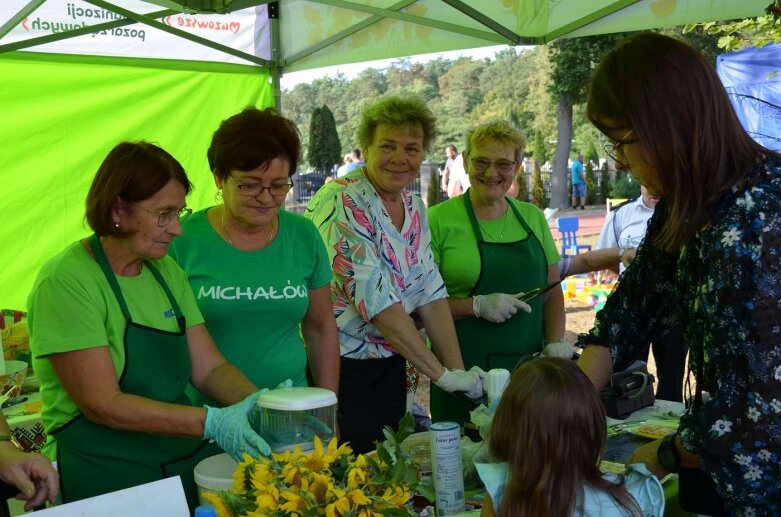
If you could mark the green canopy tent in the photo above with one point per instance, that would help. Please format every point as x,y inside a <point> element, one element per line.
<point>80,75</point>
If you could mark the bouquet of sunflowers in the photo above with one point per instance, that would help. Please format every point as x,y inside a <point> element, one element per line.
<point>327,481</point>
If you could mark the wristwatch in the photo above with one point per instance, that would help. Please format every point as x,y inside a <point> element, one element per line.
<point>668,454</point>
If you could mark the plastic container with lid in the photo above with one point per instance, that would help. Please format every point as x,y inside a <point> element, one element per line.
<point>294,416</point>
<point>214,474</point>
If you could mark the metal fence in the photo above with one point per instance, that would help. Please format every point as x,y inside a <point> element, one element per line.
<point>306,185</point>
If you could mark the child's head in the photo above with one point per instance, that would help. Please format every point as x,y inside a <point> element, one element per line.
<point>550,427</point>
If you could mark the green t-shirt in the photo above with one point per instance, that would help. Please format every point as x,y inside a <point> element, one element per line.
<point>455,246</point>
<point>254,301</point>
<point>72,307</point>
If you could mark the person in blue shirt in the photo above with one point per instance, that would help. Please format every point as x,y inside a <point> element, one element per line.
<point>548,438</point>
<point>578,183</point>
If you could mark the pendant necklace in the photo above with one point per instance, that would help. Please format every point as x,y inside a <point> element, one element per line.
<point>504,227</point>
<point>271,233</point>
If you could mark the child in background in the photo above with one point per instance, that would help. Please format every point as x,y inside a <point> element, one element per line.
<point>549,432</point>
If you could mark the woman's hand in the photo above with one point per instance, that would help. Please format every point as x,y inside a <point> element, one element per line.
<point>31,473</point>
<point>497,307</point>
<point>230,428</point>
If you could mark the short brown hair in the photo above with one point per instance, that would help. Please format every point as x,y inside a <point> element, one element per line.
<point>550,428</point>
<point>133,171</point>
<point>395,111</point>
<point>251,139</point>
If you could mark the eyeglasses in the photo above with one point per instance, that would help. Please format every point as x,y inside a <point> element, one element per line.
<point>256,189</point>
<point>612,150</point>
<point>501,166</point>
<point>165,217</point>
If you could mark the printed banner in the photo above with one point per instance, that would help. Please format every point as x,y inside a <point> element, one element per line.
<point>245,30</point>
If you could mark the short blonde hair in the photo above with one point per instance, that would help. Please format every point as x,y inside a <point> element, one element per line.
<point>496,131</point>
<point>408,111</point>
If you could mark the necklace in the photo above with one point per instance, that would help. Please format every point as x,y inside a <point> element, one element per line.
<point>271,232</point>
<point>504,227</point>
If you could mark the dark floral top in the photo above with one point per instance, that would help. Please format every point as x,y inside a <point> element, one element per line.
<point>724,288</point>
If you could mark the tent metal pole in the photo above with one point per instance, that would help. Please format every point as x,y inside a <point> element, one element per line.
<point>512,37</point>
<point>42,40</point>
<point>276,68</point>
<point>182,34</point>
<point>591,18</point>
<point>23,13</point>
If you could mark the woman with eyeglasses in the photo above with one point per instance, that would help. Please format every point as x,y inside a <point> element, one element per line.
<point>379,243</point>
<point>116,335</point>
<point>261,275</point>
<point>490,247</point>
<point>709,262</point>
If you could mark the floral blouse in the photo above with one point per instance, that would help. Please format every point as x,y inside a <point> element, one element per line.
<point>375,265</point>
<point>724,288</point>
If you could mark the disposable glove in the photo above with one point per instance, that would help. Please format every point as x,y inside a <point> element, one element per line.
<point>560,349</point>
<point>497,307</point>
<point>230,428</point>
<point>470,383</point>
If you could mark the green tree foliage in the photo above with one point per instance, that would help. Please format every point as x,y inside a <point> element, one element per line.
<point>523,189</point>
<point>540,153</point>
<point>604,182</point>
<point>591,153</point>
<point>324,148</point>
<point>625,186</point>
<point>591,184</point>
<point>432,193</point>
<point>750,32</point>
<point>538,189</point>
<point>573,63</point>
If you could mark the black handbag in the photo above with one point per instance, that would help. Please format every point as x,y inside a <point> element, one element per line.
<point>628,391</point>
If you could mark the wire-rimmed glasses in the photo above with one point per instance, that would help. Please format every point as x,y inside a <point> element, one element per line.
<point>256,189</point>
<point>613,150</point>
<point>165,217</point>
<point>501,166</point>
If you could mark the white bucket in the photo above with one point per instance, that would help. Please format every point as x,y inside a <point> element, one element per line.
<point>214,474</point>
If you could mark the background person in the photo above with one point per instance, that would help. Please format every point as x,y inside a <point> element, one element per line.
<point>709,261</point>
<point>356,162</point>
<point>379,243</point>
<point>261,275</point>
<point>451,152</point>
<point>458,179</point>
<point>489,247</point>
<point>114,365</point>
<point>30,473</point>
<point>342,170</point>
<point>579,189</point>
<point>549,436</point>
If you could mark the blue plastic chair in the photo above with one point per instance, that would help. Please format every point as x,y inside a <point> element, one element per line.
<point>568,227</point>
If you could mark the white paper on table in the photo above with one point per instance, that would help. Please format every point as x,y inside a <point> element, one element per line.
<point>164,497</point>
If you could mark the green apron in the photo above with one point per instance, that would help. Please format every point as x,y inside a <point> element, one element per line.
<point>510,268</point>
<point>94,459</point>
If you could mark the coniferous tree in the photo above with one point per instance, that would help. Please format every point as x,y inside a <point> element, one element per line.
<point>591,153</point>
<point>523,189</point>
<point>538,189</point>
<point>539,153</point>
<point>591,183</point>
<point>325,150</point>
<point>432,193</point>
<point>604,182</point>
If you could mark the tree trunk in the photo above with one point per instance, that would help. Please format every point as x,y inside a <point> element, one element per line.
<point>559,183</point>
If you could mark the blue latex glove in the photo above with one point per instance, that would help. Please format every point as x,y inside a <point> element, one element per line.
<point>230,428</point>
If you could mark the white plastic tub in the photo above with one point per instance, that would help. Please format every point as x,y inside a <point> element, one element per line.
<point>214,474</point>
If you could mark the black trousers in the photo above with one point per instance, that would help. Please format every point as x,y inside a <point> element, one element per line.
<point>670,355</point>
<point>372,394</point>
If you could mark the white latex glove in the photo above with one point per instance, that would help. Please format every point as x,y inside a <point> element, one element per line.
<point>497,307</point>
<point>560,349</point>
<point>470,383</point>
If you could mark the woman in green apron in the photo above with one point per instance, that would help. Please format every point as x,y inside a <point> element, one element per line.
<point>116,336</point>
<point>488,248</point>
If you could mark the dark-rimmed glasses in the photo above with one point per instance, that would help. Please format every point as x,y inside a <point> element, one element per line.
<point>612,150</point>
<point>165,217</point>
<point>256,189</point>
<point>501,166</point>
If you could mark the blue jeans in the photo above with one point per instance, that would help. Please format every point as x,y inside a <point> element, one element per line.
<point>579,190</point>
